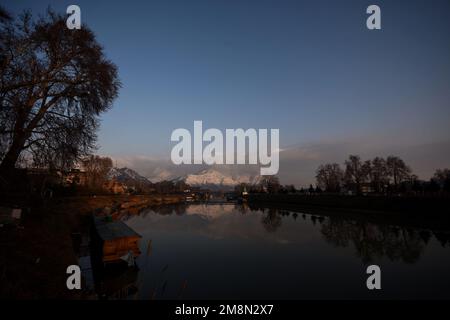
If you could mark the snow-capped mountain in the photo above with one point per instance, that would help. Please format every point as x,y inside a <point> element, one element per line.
<point>214,179</point>
<point>128,177</point>
<point>160,174</point>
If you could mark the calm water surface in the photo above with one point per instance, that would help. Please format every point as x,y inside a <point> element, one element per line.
<point>228,251</point>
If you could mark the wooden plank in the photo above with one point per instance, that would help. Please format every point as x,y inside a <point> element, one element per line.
<point>113,230</point>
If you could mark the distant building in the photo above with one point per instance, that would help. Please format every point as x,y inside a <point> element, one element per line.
<point>115,187</point>
<point>75,177</point>
<point>366,188</point>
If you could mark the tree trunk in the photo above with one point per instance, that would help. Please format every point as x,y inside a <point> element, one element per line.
<point>9,161</point>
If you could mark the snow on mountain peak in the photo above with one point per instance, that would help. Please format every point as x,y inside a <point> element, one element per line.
<point>127,175</point>
<point>213,177</point>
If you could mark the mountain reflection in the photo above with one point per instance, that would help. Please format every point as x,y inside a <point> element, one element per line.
<point>371,241</point>
<point>213,250</point>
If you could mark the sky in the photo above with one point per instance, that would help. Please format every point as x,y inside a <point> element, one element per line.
<point>309,68</point>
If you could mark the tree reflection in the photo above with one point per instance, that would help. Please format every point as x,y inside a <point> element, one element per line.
<point>167,209</point>
<point>425,235</point>
<point>372,241</point>
<point>443,238</point>
<point>271,220</point>
<point>242,208</point>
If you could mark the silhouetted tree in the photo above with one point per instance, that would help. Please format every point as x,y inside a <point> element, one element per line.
<point>329,177</point>
<point>54,83</point>
<point>4,15</point>
<point>397,170</point>
<point>442,178</point>
<point>291,188</point>
<point>355,173</point>
<point>270,183</point>
<point>378,174</point>
<point>383,175</point>
<point>97,169</point>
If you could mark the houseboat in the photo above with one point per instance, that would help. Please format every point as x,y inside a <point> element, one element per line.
<point>114,241</point>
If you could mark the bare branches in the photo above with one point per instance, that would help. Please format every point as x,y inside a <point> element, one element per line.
<point>378,174</point>
<point>54,83</point>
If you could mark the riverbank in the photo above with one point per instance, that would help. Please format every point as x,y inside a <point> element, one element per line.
<point>426,212</point>
<point>34,255</point>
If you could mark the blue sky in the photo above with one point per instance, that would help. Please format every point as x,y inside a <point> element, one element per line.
<point>310,68</point>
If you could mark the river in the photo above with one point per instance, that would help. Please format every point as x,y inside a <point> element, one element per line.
<point>227,251</point>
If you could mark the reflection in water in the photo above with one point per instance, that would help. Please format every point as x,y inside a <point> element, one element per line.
<point>116,282</point>
<point>271,220</point>
<point>372,242</point>
<point>443,238</point>
<point>113,281</point>
<point>226,251</point>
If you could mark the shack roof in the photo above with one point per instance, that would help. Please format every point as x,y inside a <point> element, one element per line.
<point>113,230</point>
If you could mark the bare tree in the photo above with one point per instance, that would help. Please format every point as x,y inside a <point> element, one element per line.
<point>397,170</point>
<point>54,83</point>
<point>329,177</point>
<point>442,178</point>
<point>270,183</point>
<point>379,174</point>
<point>355,172</point>
<point>97,169</point>
<point>4,18</point>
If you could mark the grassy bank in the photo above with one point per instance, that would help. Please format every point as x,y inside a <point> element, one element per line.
<point>35,255</point>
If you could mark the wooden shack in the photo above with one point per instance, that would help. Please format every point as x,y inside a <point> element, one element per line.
<point>115,240</point>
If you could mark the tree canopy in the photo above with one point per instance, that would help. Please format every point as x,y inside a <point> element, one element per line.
<point>54,84</point>
<point>378,173</point>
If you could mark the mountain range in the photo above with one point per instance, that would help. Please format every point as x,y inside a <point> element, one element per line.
<point>129,177</point>
<point>211,178</point>
<point>216,180</point>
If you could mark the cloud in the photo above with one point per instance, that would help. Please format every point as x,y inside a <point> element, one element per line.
<point>298,163</point>
<point>155,169</point>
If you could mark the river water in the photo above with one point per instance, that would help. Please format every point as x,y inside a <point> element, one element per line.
<point>227,251</point>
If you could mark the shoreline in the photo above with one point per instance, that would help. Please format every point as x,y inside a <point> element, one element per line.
<point>425,213</point>
<point>34,256</point>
